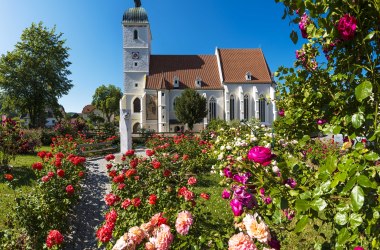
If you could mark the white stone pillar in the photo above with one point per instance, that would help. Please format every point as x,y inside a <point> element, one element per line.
<point>205,120</point>
<point>227,103</point>
<point>272,94</point>
<point>125,126</point>
<point>255,96</point>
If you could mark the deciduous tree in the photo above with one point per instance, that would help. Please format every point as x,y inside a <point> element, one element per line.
<point>106,99</point>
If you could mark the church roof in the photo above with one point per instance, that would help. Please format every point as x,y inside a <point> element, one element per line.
<point>236,63</point>
<point>135,15</point>
<point>164,68</point>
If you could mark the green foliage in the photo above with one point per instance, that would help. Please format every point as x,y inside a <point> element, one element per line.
<point>106,99</point>
<point>10,141</point>
<point>190,107</point>
<point>34,75</point>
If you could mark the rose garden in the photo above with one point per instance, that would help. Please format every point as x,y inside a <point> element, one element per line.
<point>236,185</point>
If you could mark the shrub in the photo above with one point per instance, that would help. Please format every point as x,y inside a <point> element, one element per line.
<point>31,138</point>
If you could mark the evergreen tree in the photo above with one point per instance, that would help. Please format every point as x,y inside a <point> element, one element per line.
<point>190,107</point>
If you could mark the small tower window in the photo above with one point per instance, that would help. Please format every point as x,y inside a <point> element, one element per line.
<point>176,82</point>
<point>198,82</point>
<point>248,76</point>
<point>135,35</point>
<point>136,85</point>
<point>137,105</point>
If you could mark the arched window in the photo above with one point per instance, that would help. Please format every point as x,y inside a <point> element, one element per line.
<point>136,128</point>
<point>232,107</point>
<point>174,101</point>
<point>262,107</point>
<point>137,105</point>
<point>135,34</point>
<point>246,107</point>
<point>212,108</point>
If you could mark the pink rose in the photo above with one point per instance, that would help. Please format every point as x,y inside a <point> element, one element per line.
<point>192,181</point>
<point>183,222</point>
<point>347,27</point>
<point>236,206</point>
<point>281,112</point>
<point>260,155</point>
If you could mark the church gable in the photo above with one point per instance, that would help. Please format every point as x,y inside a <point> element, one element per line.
<point>244,66</point>
<point>184,71</point>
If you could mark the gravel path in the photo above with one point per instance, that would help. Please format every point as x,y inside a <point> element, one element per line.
<point>88,213</point>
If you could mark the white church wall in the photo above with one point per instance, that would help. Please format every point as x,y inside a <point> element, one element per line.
<point>138,64</point>
<point>143,36</point>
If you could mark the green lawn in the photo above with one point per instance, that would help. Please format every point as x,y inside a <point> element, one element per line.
<point>24,179</point>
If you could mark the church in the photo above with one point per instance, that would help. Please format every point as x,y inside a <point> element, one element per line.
<point>237,83</point>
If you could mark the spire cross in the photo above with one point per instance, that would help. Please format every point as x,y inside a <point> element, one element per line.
<point>137,3</point>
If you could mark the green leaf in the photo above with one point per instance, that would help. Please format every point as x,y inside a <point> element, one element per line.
<point>371,156</point>
<point>336,129</point>
<point>349,184</point>
<point>319,204</point>
<point>341,218</point>
<point>370,35</point>
<point>301,224</point>
<point>357,120</point>
<point>364,181</point>
<point>355,220</point>
<point>363,90</point>
<point>357,198</point>
<point>302,205</point>
<point>294,37</point>
<point>343,236</point>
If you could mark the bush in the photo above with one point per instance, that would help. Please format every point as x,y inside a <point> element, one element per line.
<point>47,135</point>
<point>31,139</point>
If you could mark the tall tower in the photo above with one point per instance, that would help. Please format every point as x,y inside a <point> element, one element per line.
<point>136,55</point>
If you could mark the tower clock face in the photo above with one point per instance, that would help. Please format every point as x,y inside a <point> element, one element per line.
<point>135,55</point>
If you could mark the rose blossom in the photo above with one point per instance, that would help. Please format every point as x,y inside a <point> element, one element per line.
<point>54,238</point>
<point>192,181</point>
<point>37,166</point>
<point>163,237</point>
<point>150,152</point>
<point>227,173</point>
<point>241,241</point>
<point>260,231</point>
<point>226,194</point>
<point>126,203</point>
<point>260,155</point>
<point>291,183</point>
<point>111,199</point>
<point>109,157</point>
<point>205,196</point>
<point>183,222</point>
<point>45,178</point>
<point>130,152</point>
<point>152,199</point>
<point>281,112</point>
<point>358,248</point>
<point>347,27</point>
<point>70,189</point>
<point>236,206</point>
<point>8,177</point>
<point>136,234</point>
<point>136,202</point>
<point>60,173</point>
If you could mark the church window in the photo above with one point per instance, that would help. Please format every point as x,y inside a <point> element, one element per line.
<point>136,127</point>
<point>198,82</point>
<point>212,108</point>
<point>162,94</point>
<point>232,107</point>
<point>135,34</point>
<point>262,107</point>
<point>175,99</point>
<point>248,76</point>
<point>135,63</point>
<point>246,105</point>
<point>137,105</point>
<point>136,85</point>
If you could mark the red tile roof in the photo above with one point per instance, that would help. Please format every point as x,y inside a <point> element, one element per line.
<point>163,69</point>
<point>88,109</point>
<point>236,63</point>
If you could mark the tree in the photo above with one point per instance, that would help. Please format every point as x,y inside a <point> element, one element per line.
<point>34,75</point>
<point>106,99</point>
<point>190,107</point>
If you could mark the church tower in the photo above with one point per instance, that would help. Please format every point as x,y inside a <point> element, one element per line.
<point>136,55</point>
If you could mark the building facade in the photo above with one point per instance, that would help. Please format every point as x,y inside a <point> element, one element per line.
<point>236,83</point>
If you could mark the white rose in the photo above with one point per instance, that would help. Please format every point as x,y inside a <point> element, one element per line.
<point>275,169</point>
<point>228,147</point>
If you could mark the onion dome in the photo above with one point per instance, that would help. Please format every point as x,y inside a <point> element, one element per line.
<point>135,15</point>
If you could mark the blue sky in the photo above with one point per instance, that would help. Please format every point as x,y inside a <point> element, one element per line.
<point>93,32</point>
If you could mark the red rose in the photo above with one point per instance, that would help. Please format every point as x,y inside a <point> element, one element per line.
<point>152,199</point>
<point>70,190</point>
<point>49,155</point>
<point>185,157</point>
<point>205,196</point>
<point>192,181</point>
<point>58,163</point>
<point>81,174</point>
<point>260,155</point>
<point>109,157</point>
<point>121,186</point>
<point>156,164</point>
<point>60,173</point>
<point>45,178</point>
<point>130,152</point>
<point>118,179</point>
<point>126,203</point>
<point>54,238</point>
<point>150,152</point>
<point>41,154</point>
<point>112,173</point>
<point>8,177</point>
<point>136,202</point>
<point>50,174</point>
<point>37,166</point>
<point>130,172</point>
<point>133,163</point>
<point>162,220</point>
<point>167,173</point>
<point>188,195</point>
<point>111,199</point>
<point>59,155</point>
<point>109,166</point>
<point>123,158</point>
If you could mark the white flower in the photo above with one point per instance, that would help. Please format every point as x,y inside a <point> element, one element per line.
<point>239,158</point>
<point>253,139</point>
<point>220,156</point>
<point>222,148</point>
<point>262,125</point>
<point>294,142</point>
<point>228,147</point>
<point>268,145</point>
<point>275,169</point>
<point>257,230</point>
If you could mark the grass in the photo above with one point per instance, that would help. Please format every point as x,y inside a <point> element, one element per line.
<point>24,180</point>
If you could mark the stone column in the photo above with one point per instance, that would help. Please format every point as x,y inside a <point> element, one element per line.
<point>125,126</point>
